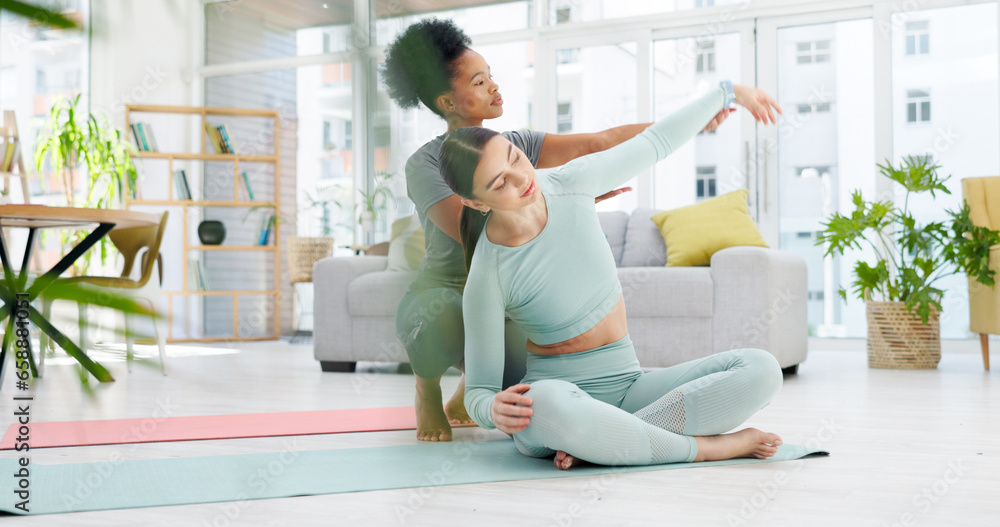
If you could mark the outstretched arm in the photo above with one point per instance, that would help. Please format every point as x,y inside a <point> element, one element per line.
<point>559,149</point>
<point>597,173</point>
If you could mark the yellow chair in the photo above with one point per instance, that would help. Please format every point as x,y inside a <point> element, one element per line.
<point>983,196</point>
<point>129,243</point>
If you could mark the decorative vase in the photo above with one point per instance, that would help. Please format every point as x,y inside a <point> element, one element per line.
<point>303,252</point>
<point>211,232</point>
<point>898,338</point>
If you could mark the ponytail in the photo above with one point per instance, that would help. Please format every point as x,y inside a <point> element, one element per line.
<point>472,224</point>
<point>460,154</point>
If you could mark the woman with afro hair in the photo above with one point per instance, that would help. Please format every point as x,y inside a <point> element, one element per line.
<point>432,64</point>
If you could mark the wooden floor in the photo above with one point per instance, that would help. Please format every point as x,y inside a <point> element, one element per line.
<point>908,448</point>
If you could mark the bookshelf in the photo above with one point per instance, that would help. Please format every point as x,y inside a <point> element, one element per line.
<point>271,250</point>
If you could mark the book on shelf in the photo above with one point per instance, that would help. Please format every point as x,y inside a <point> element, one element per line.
<point>144,139</point>
<point>267,223</point>
<point>246,186</point>
<point>229,145</point>
<point>183,190</point>
<point>10,147</point>
<point>198,280</point>
<point>220,139</point>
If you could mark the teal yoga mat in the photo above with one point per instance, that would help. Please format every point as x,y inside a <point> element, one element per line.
<point>118,484</point>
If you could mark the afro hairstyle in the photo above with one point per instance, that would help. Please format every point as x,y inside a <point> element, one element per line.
<point>420,63</point>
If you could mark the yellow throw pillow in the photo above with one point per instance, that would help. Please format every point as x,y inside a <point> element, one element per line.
<point>406,245</point>
<point>696,232</point>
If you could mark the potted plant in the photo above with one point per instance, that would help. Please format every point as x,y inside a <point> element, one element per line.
<point>76,143</point>
<point>902,301</point>
<point>376,202</point>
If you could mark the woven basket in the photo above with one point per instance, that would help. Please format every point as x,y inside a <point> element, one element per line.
<point>303,252</point>
<point>898,339</point>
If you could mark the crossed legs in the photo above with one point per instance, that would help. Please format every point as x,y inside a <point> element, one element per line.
<point>670,415</point>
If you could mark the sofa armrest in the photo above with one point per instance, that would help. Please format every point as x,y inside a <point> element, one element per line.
<point>331,278</point>
<point>760,302</point>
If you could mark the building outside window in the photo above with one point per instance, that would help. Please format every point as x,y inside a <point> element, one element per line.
<point>918,106</point>
<point>705,183</point>
<point>917,38</point>
<point>813,52</point>
<point>564,117</point>
<point>706,56</point>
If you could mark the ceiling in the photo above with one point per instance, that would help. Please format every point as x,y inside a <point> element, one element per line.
<point>300,14</point>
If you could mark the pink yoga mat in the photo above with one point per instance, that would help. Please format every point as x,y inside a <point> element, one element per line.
<point>157,429</point>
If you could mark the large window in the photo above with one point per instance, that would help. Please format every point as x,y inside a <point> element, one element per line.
<point>945,106</point>
<point>38,64</point>
<point>615,62</point>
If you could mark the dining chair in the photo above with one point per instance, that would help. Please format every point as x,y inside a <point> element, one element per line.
<point>983,196</point>
<point>129,243</point>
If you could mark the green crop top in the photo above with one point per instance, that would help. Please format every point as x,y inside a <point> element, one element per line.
<point>564,281</point>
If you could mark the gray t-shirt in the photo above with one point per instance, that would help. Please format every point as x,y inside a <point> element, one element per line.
<point>444,263</point>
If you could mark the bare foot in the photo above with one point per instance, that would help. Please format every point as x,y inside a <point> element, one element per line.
<point>564,461</point>
<point>432,424</point>
<point>455,409</point>
<point>748,442</point>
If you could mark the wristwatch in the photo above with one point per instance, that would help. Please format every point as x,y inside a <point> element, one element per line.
<point>730,93</point>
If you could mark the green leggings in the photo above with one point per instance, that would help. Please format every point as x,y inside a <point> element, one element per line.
<point>598,406</point>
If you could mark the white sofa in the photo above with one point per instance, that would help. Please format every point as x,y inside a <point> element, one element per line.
<point>748,297</point>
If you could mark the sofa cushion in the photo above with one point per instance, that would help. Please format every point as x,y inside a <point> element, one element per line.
<point>695,232</point>
<point>667,291</point>
<point>377,294</point>
<point>644,245</point>
<point>614,224</point>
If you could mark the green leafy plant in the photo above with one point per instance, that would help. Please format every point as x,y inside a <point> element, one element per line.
<point>377,201</point>
<point>38,14</point>
<point>10,304</point>
<point>74,141</point>
<point>912,257</point>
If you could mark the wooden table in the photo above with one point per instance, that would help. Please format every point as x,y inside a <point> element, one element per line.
<point>15,289</point>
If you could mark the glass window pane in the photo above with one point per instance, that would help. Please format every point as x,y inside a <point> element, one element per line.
<point>841,154</point>
<point>963,69</point>
<point>805,108</point>
<point>675,82</point>
<point>911,47</point>
<point>37,66</point>
<point>805,59</point>
<point>822,58</point>
<point>804,47</point>
<point>925,43</point>
<point>602,91</point>
<point>911,112</point>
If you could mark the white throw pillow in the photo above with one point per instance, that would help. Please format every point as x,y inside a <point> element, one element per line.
<point>406,244</point>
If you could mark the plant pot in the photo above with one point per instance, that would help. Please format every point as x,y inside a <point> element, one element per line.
<point>367,221</point>
<point>303,252</point>
<point>211,232</point>
<point>899,339</point>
